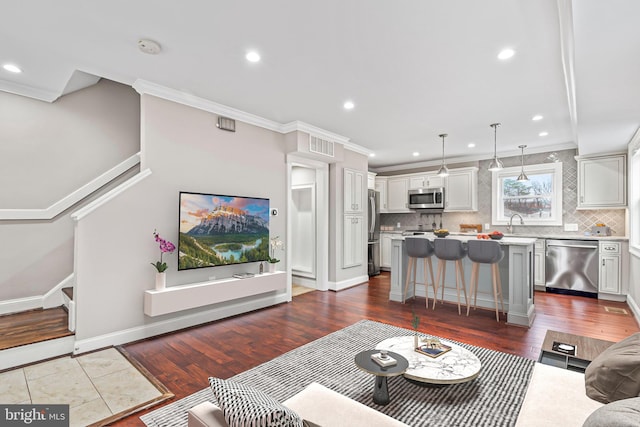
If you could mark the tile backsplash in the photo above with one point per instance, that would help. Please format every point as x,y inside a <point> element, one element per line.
<point>585,219</point>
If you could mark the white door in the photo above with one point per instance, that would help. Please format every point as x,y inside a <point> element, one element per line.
<point>303,227</point>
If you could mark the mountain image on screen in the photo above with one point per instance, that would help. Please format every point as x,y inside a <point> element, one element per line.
<point>222,230</point>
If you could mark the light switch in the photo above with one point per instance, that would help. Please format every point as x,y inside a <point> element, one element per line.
<point>571,227</point>
<point>487,226</point>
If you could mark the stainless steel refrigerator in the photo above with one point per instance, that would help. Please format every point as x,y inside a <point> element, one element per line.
<point>373,239</point>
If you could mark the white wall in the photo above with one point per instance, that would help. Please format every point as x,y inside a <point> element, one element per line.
<point>48,150</point>
<point>114,244</point>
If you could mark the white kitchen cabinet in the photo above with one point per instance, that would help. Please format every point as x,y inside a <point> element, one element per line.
<point>602,182</point>
<point>461,190</point>
<point>397,195</point>
<point>353,190</point>
<point>426,181</point>
<point>610,267</point>
<point>371,180</point>
<point>538,265</point>
<point>353,241</point>
<point>385,250</point>
<point>381,187</point>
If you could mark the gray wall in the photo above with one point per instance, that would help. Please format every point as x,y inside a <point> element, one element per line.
<point>614,218</point>
<point>47,151</point>
<point>185,151</point>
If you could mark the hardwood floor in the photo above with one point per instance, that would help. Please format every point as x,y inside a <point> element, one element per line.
<point>33,326</point>
<point>184,360</point>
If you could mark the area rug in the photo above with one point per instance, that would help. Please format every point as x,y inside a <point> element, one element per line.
<point>492,399</point>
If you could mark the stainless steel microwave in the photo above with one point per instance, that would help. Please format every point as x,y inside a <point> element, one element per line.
<point>426,198</point>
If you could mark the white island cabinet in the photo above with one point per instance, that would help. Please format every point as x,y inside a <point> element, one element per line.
<point>516,274</point>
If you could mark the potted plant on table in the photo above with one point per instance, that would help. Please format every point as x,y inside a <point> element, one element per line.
<point>161,266</point>
<point>274,243</point>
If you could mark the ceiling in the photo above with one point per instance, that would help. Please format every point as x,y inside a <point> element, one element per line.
<point>413,69</point>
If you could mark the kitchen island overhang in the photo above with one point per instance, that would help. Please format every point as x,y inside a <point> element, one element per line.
<point>516,273</point>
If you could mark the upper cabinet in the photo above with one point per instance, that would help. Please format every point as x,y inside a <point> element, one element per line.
<point>426,181</point>
<point>397,194</point>
<point>602,182</point>
<point>371,180</point>
<point>353,190</point>
<point>381,187</point>
<point>461,190</point>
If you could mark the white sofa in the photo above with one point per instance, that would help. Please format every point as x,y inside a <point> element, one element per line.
<point>555,397</point>
<point>315,403</point>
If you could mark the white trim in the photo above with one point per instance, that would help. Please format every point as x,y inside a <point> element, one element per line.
<point>29,91</point>
<point>86,210</point>
<point>20,304</point>
<point>54,298</point>
<point>496,197</point>
<point>567,51</point>
<point>171,325</point>
<point>73,198</point>
<point>633,305</point>
<point>451,162</point>
<point>26,354</point>
<point>304,281</point>
<point>344,284</point>
<point>144,87</point>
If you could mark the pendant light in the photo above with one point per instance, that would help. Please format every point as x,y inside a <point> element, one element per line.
<point>443,171</point>
<point>523,176</point>
<point>495,164</point>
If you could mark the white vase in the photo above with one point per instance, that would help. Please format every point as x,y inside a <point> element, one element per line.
<point>271,266</point>
<point>161,281</point>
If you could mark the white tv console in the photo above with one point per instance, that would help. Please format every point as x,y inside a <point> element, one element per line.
<point>183,297</point>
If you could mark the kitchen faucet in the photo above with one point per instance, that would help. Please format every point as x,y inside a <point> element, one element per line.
<point>510,226</point>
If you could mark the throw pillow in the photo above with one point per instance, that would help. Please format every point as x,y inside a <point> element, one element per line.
<point>622,413</point>
<point>243,405</point>
<point>615,373</point>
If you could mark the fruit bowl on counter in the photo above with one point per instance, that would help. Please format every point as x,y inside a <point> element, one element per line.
<point>442,232</point>
<point>494,235</point>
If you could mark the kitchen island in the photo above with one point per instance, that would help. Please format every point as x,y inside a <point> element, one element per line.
<point>516,274</point>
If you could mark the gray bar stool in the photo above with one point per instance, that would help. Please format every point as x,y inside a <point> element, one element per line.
<point>486,252</point>
<point>450,250</point>
<point>419,248</point>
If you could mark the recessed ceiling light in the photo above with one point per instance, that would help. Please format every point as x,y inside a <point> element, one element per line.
<point>543,133</point>
<point>12,68</point>
<point>349,105</point>
<point>537,117</point>
<point>506,54</point>
<point>416,154</point>
<point>253,56</point>
<point>372,154</point>
<point>471,145</point>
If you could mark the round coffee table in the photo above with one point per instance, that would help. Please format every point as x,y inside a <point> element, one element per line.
<point>458,365</point>
<point>380,387</point>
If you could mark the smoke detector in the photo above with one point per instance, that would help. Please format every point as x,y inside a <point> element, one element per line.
<point>149,46</point>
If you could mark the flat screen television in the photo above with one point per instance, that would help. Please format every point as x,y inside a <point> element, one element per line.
<point>222,230</point>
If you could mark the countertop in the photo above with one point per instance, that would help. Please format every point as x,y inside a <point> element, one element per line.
<point>506,240</point>
<point>528,235</point>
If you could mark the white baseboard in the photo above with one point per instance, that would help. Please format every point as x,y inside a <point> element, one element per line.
<point>175,324</point>
<point>634,308</point>
<point>20,304</point>
<point>304,281</point>
<point>338,286</point>
<point>25,354</point>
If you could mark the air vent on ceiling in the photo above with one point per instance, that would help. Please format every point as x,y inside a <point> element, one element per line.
<point>321,146</point>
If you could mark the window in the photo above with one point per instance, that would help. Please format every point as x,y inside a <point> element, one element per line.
<point>538,201</point>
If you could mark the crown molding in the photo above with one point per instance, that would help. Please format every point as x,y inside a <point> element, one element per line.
<point>29,91</point>
<point>297,125</point>
<point>567,52</point>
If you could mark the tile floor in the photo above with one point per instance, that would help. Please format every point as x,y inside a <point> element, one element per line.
<point>95,385</point>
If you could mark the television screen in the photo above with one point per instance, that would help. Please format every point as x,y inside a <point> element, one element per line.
<point>222,230</point>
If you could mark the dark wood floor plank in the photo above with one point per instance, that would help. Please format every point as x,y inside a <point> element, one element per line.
<point>33,326</point>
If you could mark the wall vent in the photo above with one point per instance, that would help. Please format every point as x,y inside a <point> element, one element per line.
<point>321,146</point>
<point>225,123</point>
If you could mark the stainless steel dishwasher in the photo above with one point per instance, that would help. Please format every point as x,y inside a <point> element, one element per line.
<point>571,267</point>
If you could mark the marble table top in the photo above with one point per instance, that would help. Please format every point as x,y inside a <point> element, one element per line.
<point>455,366</point>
